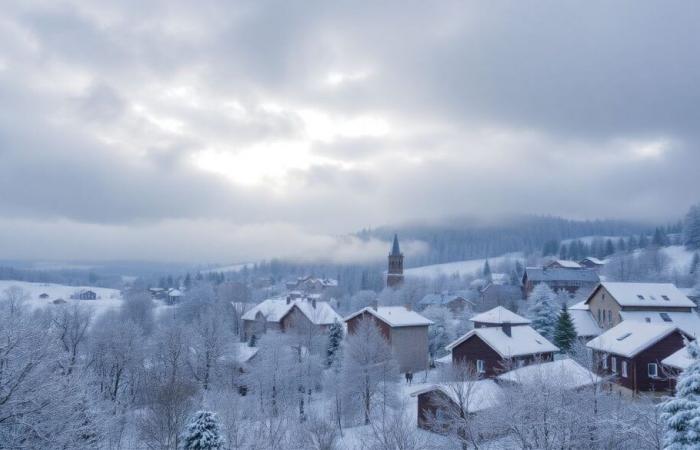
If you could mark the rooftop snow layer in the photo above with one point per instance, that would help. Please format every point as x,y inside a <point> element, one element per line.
<point>584,323</point>
<point>479,395</point>
<point>395,316</point>
<point>680,359</point>
<point>686,321</point>
<point>630,337</point>
<point>499,315</point>
<point>647,294</point>
<point>567,373</point>
<point>275,309</point>
<point>523,341</point>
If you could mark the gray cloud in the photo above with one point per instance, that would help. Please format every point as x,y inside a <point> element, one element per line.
<point>132,123</point>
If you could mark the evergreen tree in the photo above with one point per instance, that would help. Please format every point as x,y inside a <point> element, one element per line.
<point>335,339</point>
<point>486,272</point>
<point>695,263</point>
<point>632,243</point>
<point>253,342</point>
<point>609,248</point>
<point>203,432</point>
<point>643,241</point>
<point>691,228</point>
<point>188,281</point>
<point>621,245</point>
<point>542,312</point>
<point>565,332</point>
<point>681,413</point>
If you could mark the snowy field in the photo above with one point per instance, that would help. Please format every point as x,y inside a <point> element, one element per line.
<point>106,298</point>
<point>468,267</point>
<point>679,257</point>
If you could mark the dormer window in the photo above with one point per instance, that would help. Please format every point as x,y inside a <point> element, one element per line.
<point>665,317</point>
<point>665,297</point>
<point>624,336</point>
<point>640,296</point>
<point>652,297</point>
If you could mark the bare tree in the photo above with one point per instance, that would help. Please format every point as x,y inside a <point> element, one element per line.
<point>71,323</point>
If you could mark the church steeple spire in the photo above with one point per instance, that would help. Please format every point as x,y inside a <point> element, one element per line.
<point>394,276</point>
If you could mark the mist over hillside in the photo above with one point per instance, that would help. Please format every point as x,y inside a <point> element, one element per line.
<point>463,239</point>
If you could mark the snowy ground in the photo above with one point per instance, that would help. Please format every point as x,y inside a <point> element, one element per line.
<point>231,268</point>
<point>106,298</point>
<point>468,267</point>
<point>679,256</point>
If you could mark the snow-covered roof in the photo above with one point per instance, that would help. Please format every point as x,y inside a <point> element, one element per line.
<point>499,315</point>
<point>240,353</point>
<point>680,359</point>
<point>394,316</point>
<point>646,294</point>
<point>175,293</point>
<point>584,322</point>
<point>686,321</point>
<point>441,299</point>
<point>275,309</point>
<point>566,373</point>
<point>580,305</point>
<point>630,337</point>
<point>566,264</point>
<point>523,340</point>
<point>560,274</point>
<point>482,394</point>
<point>596,261</point>
<point>500,278</point>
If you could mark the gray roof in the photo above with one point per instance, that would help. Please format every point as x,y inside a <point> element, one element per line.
<point>440,299</point>
<point>556,274</point>
<point>395,250</point>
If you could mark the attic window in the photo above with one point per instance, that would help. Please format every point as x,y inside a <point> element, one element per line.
<point>538,341</point>
<point>652,297</point>
<point>624,336</point>
<point>647,319</point>
<point>640,296</point>
<point>665,317</point>
<point>665,297</point>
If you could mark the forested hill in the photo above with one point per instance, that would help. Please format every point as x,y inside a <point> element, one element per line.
<point>461,239</point>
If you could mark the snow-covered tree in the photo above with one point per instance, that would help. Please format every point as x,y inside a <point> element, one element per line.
<point>691,228</point>
<point>542,311</point>
<point>564,332</point>
<point>335,339</point>
<point>369,369</point>
<point>203,432</point>
<point>486,271</point>
<point>681,413</point>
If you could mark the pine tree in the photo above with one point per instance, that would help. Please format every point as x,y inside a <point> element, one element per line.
<point>335,339</point>
<point>643,241</point>
<point>609,248</point>
<point>691,228</point>
<point>542,311</point>
<point>695,263</point>
<point>565,332</point>
<point>486,272</point>
<point>681,413</point>
<point>253,342</point>
<point>203,432</point>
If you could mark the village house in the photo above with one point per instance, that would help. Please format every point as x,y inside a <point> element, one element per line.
<point>496,344</point>
<point>661,303</point>
<point>282,314</point>
<point>433,400</point>
<point>457,304</point>
<point>84,294</point>
<point>311,285</point>
<point>558,278</point>
<point>406,332</point>
<point>563,264</point>
<point>632,352</point>
<point>586,326</point>
<point>174,296</point>
<point>592,263</point>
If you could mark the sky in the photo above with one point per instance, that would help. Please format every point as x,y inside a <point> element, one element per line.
<point>230,131</point>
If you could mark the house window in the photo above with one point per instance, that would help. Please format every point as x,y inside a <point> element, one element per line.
<point>624,369</point>
<point>665,317</point>
<point>599,321</point>
<point>665,297</point>
<point>613,364</point>
<point>609,316</point>
<point>653,370</point>
<point>605,361</point>
<point>480,366</point>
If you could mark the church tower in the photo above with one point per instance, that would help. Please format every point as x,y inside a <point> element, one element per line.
<point>394,276</point>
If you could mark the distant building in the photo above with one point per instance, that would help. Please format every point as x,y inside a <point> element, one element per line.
<point>455,303</point>
<point>311,285</point>
<point>157,293</point>
<point>174,296</point>
<point>633,353</point>
<point>592,263</point>
<point>557,278</point>
<point>394,276</point>
<point>406,332</point>
<point>282,314</point>
<point>563,264</point>
<point>43,295</point>
<point>662,303</point>
<point>84,294</point>
<point>500,340</point>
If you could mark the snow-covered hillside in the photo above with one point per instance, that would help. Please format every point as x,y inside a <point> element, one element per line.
<point>468,267</point>
<point>679,257</point>
<point>106,298</point>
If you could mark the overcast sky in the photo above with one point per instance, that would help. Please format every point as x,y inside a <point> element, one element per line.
<point>233,130</point>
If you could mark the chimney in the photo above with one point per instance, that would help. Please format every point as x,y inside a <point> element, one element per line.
<point>506,328</point>
<point>289,299</point>
<point>408,306</point>
<point>313,303</point>
<point>375,304</point>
